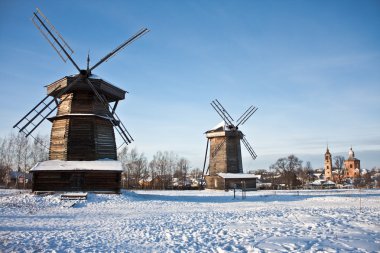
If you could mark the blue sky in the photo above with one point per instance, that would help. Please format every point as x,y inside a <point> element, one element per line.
<point>312,68</point>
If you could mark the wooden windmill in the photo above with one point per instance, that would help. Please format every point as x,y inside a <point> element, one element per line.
<point>83,127</point>
<point>225,150</point>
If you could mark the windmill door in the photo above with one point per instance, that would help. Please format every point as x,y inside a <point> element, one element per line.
<point>77,181</point>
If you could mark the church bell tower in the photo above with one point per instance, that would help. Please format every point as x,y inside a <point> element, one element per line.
<point>328,165</point>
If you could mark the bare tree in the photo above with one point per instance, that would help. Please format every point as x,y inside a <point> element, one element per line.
<point>163,167</point>
<point>38,150</point>
<point>122,156</point>
<point>305,173</point>
<point>22,155</point>
<point>287,168</point>
<point>5,160</point>
<point>137,164</point>
<point>196,173</point>
<point>22,152</point>
<point>339,167</point>
<point>159,170</point>
<point>183,166</point>
<point>8,150</point>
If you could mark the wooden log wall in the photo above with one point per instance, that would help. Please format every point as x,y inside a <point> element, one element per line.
<point>58,139</point>
<point>81,139</point>
<point>233,151</point>
<point>218,163</point>
<point>250,183</point>
<point>87,102</point>
<point>105,140</point>
<point>228,158</point>
<point>214,182</point>
<point>76,181</point>
<point>79,130</point>
<point>219,183</point>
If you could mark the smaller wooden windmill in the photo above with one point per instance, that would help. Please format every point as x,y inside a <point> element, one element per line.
<point>225,150</point>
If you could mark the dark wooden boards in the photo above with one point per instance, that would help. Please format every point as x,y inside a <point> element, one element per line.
<point>107,181</point>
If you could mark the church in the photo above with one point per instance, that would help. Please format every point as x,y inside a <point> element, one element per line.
<point>351,166</point>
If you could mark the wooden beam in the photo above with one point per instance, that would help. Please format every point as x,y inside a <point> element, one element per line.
<point>114,107</point>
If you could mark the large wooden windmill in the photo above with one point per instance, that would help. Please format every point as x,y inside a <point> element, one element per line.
<point>225,149</point>
<point>83,127</point>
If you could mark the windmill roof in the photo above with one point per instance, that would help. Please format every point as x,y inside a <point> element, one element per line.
<point>222,126</point>
<point>58,165</point>
<point>109,90</point>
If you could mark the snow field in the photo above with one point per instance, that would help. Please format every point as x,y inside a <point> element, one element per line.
<point>192,221</point>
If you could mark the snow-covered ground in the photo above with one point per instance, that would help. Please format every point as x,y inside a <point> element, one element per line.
<point>192,221</point>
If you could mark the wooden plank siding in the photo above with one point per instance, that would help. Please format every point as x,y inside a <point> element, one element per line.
<point>76,181</point>
<point>228,158</point>
<point>80,131</point>
<point>58,139</point>
<point>219,183</point>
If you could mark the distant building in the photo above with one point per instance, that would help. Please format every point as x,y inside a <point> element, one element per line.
<point>328,165</point>
<point>351,165</point>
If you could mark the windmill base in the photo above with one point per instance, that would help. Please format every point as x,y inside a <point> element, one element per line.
<point>226,181</point>
<point>77,176</point>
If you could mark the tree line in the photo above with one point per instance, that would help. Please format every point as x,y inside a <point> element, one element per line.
<point>291,173</point>
<point>167,169</point>
<point>157,173</point>
<point>18,153</point>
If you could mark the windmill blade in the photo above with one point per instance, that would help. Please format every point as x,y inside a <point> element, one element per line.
<point>122,46</point>
<point>41,111</point>
<point>204,163</point>
<point>243,115</point>
<point>249,148</point>
<point>246,115</point>
<point>43,24</point>
<point>113,118</point>
<point>220,114</point>
<point>221,111</point>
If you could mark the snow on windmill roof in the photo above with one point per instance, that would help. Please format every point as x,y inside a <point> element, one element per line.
<point>222,126</point>
<point>58,165</point>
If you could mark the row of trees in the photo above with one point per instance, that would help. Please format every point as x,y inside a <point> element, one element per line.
<point>157,173</point>
<point>291,172</point>
<point>18,153</point>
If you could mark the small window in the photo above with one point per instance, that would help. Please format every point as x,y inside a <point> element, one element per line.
<point>350,166</point>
